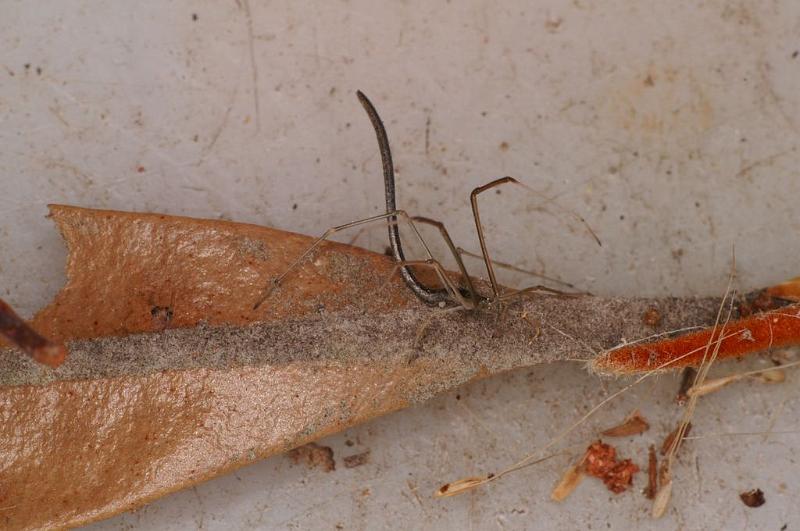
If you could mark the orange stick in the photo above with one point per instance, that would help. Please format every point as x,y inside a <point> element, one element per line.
<point>776,328</point>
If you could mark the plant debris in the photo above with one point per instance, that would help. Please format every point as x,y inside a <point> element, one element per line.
<point>753,498</point>
<point>771,376</point>
<point>569,481</point>
<point>634,424</point>
<point>652,474</point>
<point>669,440</point>
<point>17,331</point>
<point>757,333</point>
<point>687,379</point>
<point>352,461</point>
<point>601,462</point>
<point>460,486</point>
<point>663,495</point>
<point>766,376</point>
<point>314,455</point>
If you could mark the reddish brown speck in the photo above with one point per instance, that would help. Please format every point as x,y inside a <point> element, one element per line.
<point>753,498</point>
<point>652,317</point>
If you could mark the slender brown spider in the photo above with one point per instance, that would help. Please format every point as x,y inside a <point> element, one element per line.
<point>466,296</point>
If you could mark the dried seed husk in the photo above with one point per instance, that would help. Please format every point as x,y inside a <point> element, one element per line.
<point>460,486</point>
<point>569,481</point>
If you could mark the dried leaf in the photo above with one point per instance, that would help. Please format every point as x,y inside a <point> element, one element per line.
<point>652,474</point>
<point>634,424</point>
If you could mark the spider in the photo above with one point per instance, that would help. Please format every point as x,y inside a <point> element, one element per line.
<point>466,296</point>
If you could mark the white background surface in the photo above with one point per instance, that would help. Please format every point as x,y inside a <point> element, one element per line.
<point>671,127</point>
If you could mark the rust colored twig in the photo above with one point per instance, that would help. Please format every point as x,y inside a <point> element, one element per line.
<point>776,328</point>
<point>17,331</point>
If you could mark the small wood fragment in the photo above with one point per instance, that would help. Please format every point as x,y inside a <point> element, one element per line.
<point>687,380</point>
<point>634,424</point>
<point>652,474</point>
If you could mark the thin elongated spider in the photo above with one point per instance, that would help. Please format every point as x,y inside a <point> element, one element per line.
<point>466,296</point>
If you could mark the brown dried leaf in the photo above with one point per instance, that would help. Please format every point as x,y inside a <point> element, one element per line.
<point>634,424</point>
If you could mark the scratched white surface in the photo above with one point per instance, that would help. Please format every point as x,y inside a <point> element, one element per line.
<point>672,127</point>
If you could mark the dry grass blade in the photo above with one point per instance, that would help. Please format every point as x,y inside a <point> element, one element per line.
<point>669,440</point>
<point>768,375</point>
<point>461,486</point>
<point>712,386</point>
<point>712,349</point>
